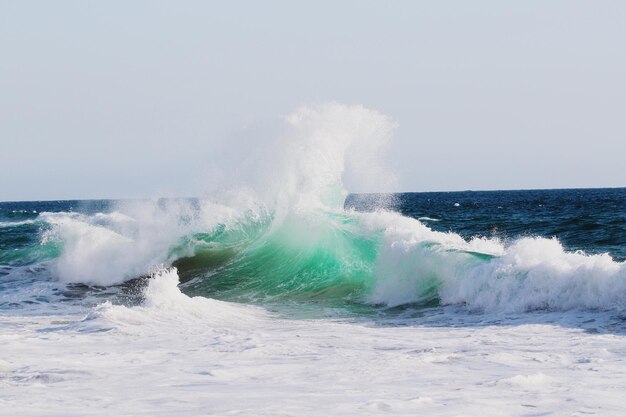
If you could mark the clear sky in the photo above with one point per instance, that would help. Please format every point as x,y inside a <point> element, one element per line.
<point>133,98</point>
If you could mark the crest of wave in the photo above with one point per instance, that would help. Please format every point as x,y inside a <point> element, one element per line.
<point>302,168</point>
<point>299,171</point>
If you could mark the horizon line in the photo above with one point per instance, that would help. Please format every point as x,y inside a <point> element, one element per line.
<point>349,193</point>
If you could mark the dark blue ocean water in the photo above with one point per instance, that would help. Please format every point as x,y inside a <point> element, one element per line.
<point>591,220</point>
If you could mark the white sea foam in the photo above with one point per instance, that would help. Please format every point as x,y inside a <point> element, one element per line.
<point>428,219</point>
<point>528,274</point>
<point>176,355</point>
<point>163,300</point>
<point>109,248</point>
<point>15,224</point>
<point>537,273</point>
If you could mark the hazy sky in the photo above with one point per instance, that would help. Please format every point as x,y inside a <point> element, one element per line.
<point>133,98</point>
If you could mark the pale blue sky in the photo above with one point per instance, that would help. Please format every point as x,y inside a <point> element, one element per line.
<point>134,98</point>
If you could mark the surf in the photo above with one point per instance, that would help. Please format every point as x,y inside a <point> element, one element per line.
<point>278,230</point>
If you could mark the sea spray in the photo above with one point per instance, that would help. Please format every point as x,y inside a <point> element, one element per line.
<point>284,235</point>
<point>299,181</point>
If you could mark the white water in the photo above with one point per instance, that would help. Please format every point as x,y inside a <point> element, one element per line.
<point>528,274</point>
<point>184,356</point>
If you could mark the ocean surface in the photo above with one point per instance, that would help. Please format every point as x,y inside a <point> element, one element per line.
<point>498,302</point>
<point>278,294</point>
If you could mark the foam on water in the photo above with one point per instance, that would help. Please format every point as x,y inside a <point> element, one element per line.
<point>183,355</point>
<point>527,274</point>
<point>163,302</point>
<point>16,224</point>
<point>109,248</point>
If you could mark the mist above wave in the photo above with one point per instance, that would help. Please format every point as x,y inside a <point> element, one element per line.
<point>277,229</point>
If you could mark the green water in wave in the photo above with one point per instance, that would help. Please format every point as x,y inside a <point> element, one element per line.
<point>301,258</point>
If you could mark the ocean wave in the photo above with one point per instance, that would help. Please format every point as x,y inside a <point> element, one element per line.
<point>288,236</point>
<point>376,257</point>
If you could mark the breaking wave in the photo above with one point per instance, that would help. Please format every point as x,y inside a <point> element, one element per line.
<point>285,235</point>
